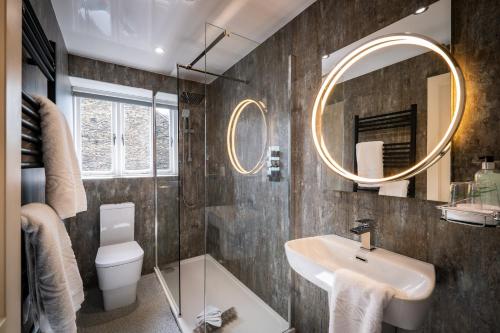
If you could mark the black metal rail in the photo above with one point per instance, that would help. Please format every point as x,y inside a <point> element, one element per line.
<point>397,154</point>
<point>41,53</point>
<point>213,74</point>
<point>31,149</point>
<point>204,53</point>
<point>208,48</point>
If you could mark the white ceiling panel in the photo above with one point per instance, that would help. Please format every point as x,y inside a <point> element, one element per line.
<point>126,32</point>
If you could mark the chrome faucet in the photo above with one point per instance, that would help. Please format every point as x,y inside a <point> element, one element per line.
<point>363,230</point>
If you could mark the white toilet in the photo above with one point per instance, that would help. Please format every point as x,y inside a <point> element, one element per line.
<point>119,258</point>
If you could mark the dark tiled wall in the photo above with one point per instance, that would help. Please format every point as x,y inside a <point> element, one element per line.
<point>192,173</point>
<point>475,36</point>
<point>111,73</point>
<point>466,259</point>
<point>84,229</point>
<point>247,215</point>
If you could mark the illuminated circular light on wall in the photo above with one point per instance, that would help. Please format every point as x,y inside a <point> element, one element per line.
<point>159,50</point>
<point>231,136</point>
<point>350,59</point>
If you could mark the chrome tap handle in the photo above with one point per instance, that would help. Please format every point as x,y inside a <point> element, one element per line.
<point>363,231</point>
<point>370,222</point>
<point>365,226</point>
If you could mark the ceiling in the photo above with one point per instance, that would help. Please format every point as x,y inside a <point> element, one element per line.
<point>126,32</point>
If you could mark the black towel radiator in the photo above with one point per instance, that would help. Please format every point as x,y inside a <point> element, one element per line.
<point>396,155</point>
<point>39,52</point>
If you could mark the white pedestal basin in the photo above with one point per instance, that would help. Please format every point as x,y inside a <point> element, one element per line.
<point>317,258</point>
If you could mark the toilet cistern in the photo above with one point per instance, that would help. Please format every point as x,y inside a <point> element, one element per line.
<point>364,232</point>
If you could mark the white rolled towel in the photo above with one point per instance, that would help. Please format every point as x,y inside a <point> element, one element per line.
<point>212,315</point>
<point>370,159</point>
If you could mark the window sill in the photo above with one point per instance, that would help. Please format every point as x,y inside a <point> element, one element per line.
<point>128,177</point>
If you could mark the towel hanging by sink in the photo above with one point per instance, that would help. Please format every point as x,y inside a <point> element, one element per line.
<point>357,303</point>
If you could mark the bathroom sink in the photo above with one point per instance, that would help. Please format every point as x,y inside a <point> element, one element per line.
<point>317,258</point>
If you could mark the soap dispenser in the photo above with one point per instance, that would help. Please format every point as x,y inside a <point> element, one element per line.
<point>488,180</point>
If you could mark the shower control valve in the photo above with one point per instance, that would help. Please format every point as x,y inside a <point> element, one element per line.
<point>273,164</point>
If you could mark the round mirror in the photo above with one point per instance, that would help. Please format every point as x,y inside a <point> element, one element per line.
<point>247,136</point>
<point>372,122</point>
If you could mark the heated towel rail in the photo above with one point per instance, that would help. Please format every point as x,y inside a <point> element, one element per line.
<point>39,52</point>
<point>396,155</point>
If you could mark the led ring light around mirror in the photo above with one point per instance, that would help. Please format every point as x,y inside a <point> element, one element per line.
<point>231,136</point>
<point>386,41</point>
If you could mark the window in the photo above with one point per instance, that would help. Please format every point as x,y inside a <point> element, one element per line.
<point>137,127</point>
<point>114,137</point>
<point>164,139</point>
<point>96,118</point>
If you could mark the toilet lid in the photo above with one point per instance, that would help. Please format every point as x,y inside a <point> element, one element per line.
<point>118,254</point>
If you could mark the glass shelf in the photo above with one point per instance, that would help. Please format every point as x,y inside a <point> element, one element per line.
<point>471,217</point>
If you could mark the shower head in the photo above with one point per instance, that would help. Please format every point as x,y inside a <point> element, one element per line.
<point>191,98</point>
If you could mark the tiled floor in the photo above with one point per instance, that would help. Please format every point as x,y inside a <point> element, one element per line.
<point>149,314</point>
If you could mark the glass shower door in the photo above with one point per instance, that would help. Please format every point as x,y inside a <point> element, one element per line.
<point>167,232</point>
<point>222,222</point>
<point>180,198</point>
<point>247,222</point>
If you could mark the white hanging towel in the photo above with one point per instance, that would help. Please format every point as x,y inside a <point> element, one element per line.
<point>395,189</point>
<point>370,159</point>
<point>64,189</point>
<point>357,303</point>
<point>55,285</point>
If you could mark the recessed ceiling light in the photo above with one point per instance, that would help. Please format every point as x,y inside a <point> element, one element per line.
<point>421,10</point>
<point>325,56</point>
<point>159,50</point>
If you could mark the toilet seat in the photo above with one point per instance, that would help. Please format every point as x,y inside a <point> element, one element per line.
<point>118,254</point>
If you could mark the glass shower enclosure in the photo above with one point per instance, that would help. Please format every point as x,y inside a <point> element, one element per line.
<point>220,250</point>
<point>166,189</point>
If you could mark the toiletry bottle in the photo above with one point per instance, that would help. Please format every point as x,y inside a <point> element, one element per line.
<point>488,180</point>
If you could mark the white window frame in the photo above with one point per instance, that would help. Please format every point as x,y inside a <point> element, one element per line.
<point>78,141</point>
<point>118,154</point>
<point>121,144</point>
<point>173,156</point>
